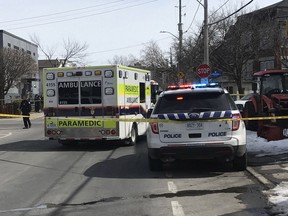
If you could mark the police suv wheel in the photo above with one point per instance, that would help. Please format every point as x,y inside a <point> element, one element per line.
<point>240,163</point>
<point>155,164</point>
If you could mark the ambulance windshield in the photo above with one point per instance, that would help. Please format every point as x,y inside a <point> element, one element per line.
<point>90,92</point>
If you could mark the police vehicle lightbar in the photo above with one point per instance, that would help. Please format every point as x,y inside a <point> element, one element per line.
<point>193,86</point>
<point>205,85</point>
<point>183,86</point>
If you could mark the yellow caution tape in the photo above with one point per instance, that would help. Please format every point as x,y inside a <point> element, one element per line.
<point>173,121</point>
<point>13,116</point>
<point>155,120</point>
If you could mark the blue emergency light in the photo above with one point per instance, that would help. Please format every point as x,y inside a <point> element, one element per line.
<point>205,85</point>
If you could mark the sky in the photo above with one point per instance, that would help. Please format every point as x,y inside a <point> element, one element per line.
<point>278,196</point>
<point>109,27</point>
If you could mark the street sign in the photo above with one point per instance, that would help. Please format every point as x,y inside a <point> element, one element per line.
<point>215,74</point>
<point>180,75</point>
<point>203,70</point>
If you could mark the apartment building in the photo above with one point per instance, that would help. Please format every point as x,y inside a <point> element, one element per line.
<point>29,83</point>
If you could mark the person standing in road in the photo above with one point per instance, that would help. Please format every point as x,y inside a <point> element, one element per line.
<point>25,108</point>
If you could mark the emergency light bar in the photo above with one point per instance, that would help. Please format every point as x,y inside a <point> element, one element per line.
<point>183,86</point>
<point>205,85</point>
<point>192,86</point>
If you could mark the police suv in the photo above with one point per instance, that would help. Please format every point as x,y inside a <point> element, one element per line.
<point>196,122</point>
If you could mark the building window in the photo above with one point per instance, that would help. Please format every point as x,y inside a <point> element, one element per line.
<point>266,65</point>
<point>284,64</point>
<point>9,45</point>
<point>16,47</point>
<point>28,52</point>
<point>33,54</point>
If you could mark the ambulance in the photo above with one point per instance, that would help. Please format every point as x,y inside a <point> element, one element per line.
<point>96,103</point>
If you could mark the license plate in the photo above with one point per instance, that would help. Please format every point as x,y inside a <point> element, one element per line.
<point>194,126</point>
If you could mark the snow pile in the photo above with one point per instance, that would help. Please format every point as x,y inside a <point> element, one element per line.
<point>278,196</point>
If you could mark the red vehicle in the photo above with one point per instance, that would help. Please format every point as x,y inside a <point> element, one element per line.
<point>270,99</point>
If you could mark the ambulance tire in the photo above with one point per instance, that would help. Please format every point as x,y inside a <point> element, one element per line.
<point>134,135</point>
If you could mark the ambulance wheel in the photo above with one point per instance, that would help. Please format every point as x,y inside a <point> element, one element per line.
<point>133,135</point>
<point>155,164</point>
<point>240,163</point>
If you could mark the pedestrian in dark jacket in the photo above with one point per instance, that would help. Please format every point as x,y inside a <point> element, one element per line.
<point>25,108</point>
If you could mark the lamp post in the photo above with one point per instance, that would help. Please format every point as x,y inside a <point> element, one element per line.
<point>179,55</point>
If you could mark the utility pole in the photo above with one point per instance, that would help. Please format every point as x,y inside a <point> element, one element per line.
<point>180,36</point>
<point>206,47</point>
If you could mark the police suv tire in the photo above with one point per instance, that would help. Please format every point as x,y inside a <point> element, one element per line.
<point>240,163</point>
<point>249,111</point>
<point>155,164</point>
<point>133,135</point>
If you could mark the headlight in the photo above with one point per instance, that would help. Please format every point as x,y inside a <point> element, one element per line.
<point>69,74</point>
<point>50,93</point>
<point>50,76</point>
<point>109,91</point>
<point>108,73</point>
<point>88,73</point>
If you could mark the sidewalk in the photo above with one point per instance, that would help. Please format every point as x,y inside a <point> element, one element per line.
<point>34,115</point>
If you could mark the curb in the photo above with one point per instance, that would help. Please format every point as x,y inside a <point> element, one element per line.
<point>264,181</point>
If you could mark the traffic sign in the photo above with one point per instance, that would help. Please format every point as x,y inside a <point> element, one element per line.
<point>203,70</point>
<point>180,75</point>
<point>215,74</point>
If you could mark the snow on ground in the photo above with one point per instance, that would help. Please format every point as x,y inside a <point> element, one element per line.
<point>262,147</point>
<point>277,196</point>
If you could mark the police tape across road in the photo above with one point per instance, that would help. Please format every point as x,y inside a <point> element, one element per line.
<point>154,119</point>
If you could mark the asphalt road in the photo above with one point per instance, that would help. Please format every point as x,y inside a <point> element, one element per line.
<point>40,177</point>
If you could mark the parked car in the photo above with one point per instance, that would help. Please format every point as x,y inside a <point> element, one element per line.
<point>245,105</point>
<point>205,125</point>
<point>240,103</point>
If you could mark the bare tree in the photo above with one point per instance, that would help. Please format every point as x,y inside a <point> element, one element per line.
<point>49,52</point>
<point>239,47</point>
<point>13,64</point>
<point>131,60</point>
<point>73,51</point>
<point>153,58</point>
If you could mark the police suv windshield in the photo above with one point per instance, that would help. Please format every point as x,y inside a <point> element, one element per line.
<point>194,102</point>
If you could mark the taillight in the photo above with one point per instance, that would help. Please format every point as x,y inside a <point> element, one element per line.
<point>235,123</point>
<point>154,127</point>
